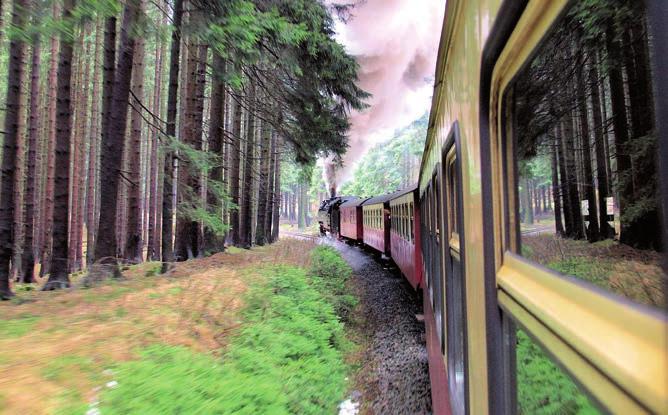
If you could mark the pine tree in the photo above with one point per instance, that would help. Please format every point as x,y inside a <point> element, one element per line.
<point>134,246</point>
<point>59,271</point>
<point>113,144</point>
<point>28,260</point>
<point>168,195</point>
<point>12,144</point>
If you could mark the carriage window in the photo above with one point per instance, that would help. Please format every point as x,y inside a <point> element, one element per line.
<point>581,140</point>
<point>452,186</point>
<point>406,225</point>
<point>412,224</point>
<point>583,126</point>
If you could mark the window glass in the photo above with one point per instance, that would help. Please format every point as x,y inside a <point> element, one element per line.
<point>411,224</point>
<point>453,220</point>
<point>542,387</point>
<point>405,220</point>
<point>583,132</point>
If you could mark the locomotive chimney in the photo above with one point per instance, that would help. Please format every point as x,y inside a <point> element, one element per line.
<point>332,191</point>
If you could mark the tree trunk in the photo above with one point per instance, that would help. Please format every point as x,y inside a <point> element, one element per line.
<point>571,181</point>
<point>14,126</point>
<point>133,245</point>
<point>168,178</point>
<point>93,151</point>
<point>528,204</point>
<point>640,221</point>
<point>234,172</point>
<point>113,147</point>
<point>196,233</point>
<point>593,234</point>
<point>153,246</point>
<point>606,231</point>
<point>188,241</point>
<point>47,238</point>
<point>270,189</point>
<point>246,205</point>
<point>78,178</point>
<point>28,260</point>
<point>58,275</point>
<point>277,190</point>
<point>265,145</point>
<point>212,241</point>
<point>556,194</point>
<point>563,181</point>
<point>620,125</point>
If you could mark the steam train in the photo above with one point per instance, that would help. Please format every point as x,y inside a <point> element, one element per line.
<point>456,236</point>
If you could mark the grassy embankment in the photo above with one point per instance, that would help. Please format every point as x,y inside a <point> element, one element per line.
<point>256,331</point>
<point>542,387</point>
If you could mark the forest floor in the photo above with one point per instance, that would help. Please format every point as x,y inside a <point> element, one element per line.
<point>312,229</point>
<point>632,273</point>
<point>59,350</point>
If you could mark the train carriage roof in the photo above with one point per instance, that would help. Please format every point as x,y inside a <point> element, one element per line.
<point>389,196</point>
<point>354,202</point>
<point>404,191</point>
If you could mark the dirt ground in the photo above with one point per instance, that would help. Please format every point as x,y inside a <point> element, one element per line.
<point>56,347</point>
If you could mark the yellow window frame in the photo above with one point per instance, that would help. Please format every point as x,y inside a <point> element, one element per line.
<point>615,349</point>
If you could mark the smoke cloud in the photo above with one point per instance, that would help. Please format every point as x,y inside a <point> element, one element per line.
<point>395,43</point>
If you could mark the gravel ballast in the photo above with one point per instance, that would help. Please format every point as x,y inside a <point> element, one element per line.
<point>395,372</point>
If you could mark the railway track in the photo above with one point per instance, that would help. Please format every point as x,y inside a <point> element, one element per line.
<point>539,230</point>
<point>298,235</point>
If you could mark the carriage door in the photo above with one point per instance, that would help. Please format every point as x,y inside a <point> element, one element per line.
<point>454,281</point>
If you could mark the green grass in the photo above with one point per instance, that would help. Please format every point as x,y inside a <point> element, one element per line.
<point>288,357</point>
<point>19,326</point>
<point>70,402</point>
<point>542,388</point>
<point>95,296</point>
<point>591,269</point>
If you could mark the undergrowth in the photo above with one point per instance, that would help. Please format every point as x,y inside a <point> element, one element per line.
<point>288,357</point>
<point>329,273</point>
<point>542,388</point>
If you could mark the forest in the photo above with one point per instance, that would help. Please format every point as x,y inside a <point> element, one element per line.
<point>583,120</point>
<point>157,130</point>
<point>390,165</point>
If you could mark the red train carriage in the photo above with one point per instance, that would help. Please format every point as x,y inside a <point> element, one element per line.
<point>405,244</point>
<point>376,223</point>
<point>351,219</point>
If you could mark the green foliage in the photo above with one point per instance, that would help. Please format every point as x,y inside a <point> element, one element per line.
<point>309,73</point>
<point>391,165</point>
<point>329,273</point>
<point>192,205</point>
<point>70,402</point>
<point>542,388</point>
<point>287,358</point>
<point>19,326</point>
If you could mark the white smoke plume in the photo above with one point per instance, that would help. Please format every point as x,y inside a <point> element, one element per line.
<point>395,43</point>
